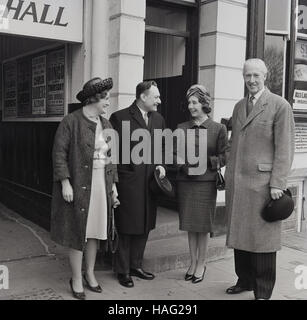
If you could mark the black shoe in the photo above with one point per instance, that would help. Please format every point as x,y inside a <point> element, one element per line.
<point>77,295</point>
<point>140,273</point>
<point>96,289</point>
<point>125,280</point>
<point>199,279</point>
<point>188,277</point>
<point>237,289</point>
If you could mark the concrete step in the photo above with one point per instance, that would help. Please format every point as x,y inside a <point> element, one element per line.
<point>167,225</point>
<point>173,253</point>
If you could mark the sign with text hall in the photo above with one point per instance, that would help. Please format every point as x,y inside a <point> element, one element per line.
<point>47,19</point>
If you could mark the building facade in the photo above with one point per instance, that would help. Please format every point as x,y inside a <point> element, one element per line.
<point>48,49</point>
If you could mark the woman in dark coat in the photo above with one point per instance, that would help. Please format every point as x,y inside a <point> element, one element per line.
<point>197,193</point>
<point>84,183</point>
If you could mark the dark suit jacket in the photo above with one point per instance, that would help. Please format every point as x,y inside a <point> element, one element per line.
<point>137,211</point>
<point>216,147</point>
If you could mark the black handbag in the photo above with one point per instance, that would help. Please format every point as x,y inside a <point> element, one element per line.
<point>220,181</point>
<point>112,233</point>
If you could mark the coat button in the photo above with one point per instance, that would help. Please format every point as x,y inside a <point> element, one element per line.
<point>82,209</point>
<point>84,188</point>
<point>86,166</point>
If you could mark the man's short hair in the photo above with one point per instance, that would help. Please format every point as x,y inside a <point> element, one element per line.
<point>143,87</point>
<point>260,63</point>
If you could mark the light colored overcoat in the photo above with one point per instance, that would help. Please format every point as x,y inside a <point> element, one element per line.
<point>261,151</point>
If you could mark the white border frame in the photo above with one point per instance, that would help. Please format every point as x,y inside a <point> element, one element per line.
<point>43,118</point>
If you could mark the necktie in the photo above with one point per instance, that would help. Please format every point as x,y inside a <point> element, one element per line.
<point>146,118</point>
<point>249,105</point>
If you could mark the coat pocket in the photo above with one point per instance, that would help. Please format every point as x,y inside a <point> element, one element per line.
<point>265,167</point>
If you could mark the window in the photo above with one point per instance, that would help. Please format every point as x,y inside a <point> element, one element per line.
<point>277,32</point>
<point>274,57</point>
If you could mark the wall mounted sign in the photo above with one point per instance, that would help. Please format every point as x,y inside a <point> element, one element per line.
<point>34,86</point>
<point>49,19</point>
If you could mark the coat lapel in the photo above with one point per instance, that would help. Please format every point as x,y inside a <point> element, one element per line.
<point>257,109</point>
<point>137,115</point>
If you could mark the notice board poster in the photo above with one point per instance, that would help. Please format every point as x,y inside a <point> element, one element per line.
<point>10,90</point>
<point>55,84</point>
<point>34,86</point>
<point>300,137</point>
<point>39,85</point>
<point>24,88</point>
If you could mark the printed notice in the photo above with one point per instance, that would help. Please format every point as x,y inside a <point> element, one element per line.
<point>10,90</point>
<point>300,138</point>
<point>55,82</point>
<point>24,88</point>
<point>300,100</point>
<point>39,85</point>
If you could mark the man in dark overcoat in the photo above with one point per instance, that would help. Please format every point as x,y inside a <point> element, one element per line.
<point>137,213</point>
<point>259,162</point>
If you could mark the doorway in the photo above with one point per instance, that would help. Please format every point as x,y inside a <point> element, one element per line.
<point>171,56</point>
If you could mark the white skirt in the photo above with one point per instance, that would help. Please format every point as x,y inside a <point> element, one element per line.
<point>97,219</point>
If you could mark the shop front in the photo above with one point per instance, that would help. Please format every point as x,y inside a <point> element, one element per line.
<point>36,43</point>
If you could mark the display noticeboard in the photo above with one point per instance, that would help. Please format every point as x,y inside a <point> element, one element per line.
<point>34,86</point>
<point>10,89</point>
<point>300,137</point>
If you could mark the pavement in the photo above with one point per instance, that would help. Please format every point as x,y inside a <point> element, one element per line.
<point>38,270</point>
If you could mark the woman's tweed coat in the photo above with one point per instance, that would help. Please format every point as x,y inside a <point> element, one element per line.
<point>73,152</point>
<point>261,154</point>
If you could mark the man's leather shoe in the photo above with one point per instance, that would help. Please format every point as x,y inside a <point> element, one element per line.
<point>125,280</point>
<point>140,273</point>
<point>237,289</point>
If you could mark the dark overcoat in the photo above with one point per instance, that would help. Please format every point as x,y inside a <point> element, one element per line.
<point>261,154</point>
<point>137,211</point>
<point>73,153</point>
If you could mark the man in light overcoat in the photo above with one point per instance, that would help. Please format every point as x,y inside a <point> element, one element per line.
<point>260,155</point>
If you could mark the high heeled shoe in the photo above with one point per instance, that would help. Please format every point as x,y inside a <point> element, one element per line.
<point>188,277</point>
<point>199,279</point>
<point>77,295</point>
<point>96,289</point>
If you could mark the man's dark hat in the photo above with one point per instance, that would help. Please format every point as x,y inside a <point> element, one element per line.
<point>94,86</point>
<point>279,209</point>
<point>161,186</point>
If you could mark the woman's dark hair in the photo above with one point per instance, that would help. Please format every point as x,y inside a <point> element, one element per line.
<point>144,86</point>
<point>95,98</point>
